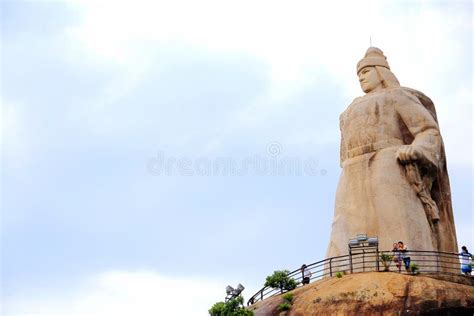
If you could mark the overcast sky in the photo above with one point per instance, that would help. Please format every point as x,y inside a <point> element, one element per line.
<point>116,119</point>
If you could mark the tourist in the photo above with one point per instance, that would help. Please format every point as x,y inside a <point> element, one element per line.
<point>397,256</point>
<point>306,274</point>
<point>403,254</point>
<point>466,258</point>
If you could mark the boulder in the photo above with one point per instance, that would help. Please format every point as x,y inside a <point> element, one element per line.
<point>377,293</point>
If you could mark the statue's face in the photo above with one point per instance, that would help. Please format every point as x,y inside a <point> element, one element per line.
<point>369,79</point>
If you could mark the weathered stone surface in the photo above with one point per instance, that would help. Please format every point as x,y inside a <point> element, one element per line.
<point>394,182</point>
<point>375,293</point>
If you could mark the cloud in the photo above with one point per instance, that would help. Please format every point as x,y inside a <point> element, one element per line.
<point>14,133</point>
<point>301,44</point>
<point>290,37</point>
<point>117,293</point>
<point>163,45</point>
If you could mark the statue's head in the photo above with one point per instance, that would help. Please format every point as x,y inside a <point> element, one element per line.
<point>374,72</point>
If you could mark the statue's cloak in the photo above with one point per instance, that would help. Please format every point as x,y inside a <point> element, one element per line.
<point>441,190</point>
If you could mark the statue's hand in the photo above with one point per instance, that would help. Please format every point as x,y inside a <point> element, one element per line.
<point>408,153</point>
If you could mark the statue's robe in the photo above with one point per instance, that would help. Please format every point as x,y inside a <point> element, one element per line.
<point>374,195</point>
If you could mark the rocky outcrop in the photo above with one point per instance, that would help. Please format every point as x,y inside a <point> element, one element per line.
<point>377,293</point>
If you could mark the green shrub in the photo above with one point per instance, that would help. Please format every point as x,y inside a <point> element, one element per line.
<point>339,274</point>
<point>284,307</point>
<point>233,307</point>
<point>288,297</point>
<point>386,260</point>
<point>280,280</point>
<point>385,257</point>
<point>414,268</point>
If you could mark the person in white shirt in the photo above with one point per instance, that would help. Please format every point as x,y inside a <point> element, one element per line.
<point>306,274</point>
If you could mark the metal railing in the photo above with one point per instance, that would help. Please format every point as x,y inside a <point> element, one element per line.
<point>428,262</point>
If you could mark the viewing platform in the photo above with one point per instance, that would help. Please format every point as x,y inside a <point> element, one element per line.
<point>433,264</point>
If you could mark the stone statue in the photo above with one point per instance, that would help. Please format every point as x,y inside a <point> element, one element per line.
<point>394,182</point>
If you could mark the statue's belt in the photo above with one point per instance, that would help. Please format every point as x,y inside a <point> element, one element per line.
<point>358,151</point>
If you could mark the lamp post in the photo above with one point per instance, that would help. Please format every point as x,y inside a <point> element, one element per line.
<point>233,293</point>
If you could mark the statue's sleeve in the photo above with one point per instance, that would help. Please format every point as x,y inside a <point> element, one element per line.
<point>343,149</point>
<point>421,124</point>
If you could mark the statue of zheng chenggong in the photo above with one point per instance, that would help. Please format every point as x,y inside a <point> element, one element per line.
<point>394,182</point>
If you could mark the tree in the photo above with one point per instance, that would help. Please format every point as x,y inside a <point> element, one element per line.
<point>281,280</point>
<point>217,309</point>
<point>233,307</point>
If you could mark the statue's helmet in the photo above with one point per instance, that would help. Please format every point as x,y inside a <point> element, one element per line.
<point>373,57</point>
